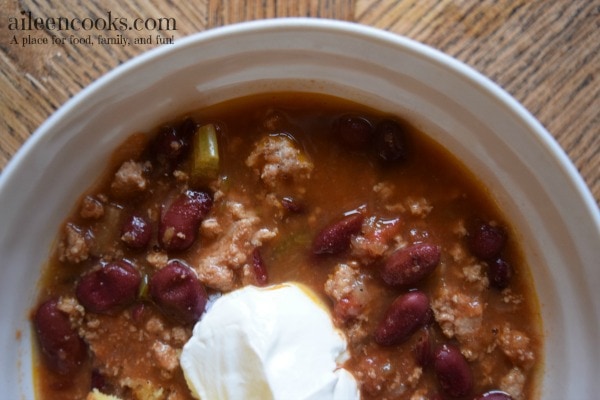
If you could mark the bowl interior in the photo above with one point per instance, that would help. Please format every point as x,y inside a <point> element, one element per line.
<point>535,184</point>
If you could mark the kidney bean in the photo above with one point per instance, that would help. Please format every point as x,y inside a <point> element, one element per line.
<point>178,292</point>
<point>423,349</point>
<point>108,288</point>
<point>353,131</point>
<point>188,129</point>
<point>335,238</point>
<point>97,380</point>
<point>405,315</point>
<point>390,141</point>
<point>453,371</point>
<point>138,311</point>
<point>494,395</point>
<point>429,318</point>
<point>259,269</point>
<point>136,232</point>
<point>411,264</point>
<point>487,241</point>
<point>62,348</point>
<point>179,223</point>
<point>499,273</point>
<point>171,145</point>
<point>292,205</point>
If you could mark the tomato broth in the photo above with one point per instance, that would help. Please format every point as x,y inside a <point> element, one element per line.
<point>421,270</point>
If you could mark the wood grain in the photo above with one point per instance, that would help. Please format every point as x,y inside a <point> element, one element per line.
<point>544,53</point>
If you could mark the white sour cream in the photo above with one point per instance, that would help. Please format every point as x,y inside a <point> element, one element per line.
<point>267,343</point>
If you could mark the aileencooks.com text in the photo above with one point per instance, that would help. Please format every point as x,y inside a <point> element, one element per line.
<point>108,22</point>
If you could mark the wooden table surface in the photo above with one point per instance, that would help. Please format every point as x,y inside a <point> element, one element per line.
<point>546,53</point>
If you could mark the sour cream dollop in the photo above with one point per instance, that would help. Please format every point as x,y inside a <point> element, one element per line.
<point>277,342</point>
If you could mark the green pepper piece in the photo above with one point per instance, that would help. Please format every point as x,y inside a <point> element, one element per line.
<point>205,155</point>
<point>143,290</point>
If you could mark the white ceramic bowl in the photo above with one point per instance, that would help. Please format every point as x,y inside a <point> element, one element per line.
<point>532,179</point>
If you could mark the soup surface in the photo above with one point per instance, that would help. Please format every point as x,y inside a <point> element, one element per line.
<point>417,266</point>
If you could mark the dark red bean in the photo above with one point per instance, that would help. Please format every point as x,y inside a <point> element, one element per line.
<point>62,348</point>
<point>178,292</point>
<point>499,273</point>
<point>170,145</point>
<point>423,349</point>
<point>390,141</point>
<point>259,269</point>
<point>98,381</point>
<point>353,131</point>
<point>178,227</point>
<point>188,129</point>
<point>487,241</point>
<point>335,238</point>
<point>494,395</point>
<point>136,232</point>
<point>429,318</point>
<point>292,205</point>
<point>167,144</point>
<point>453,371</point>
<point>138,311</point>
<point>405,315</point>
<point>411,264</point>
<point>108,288</point>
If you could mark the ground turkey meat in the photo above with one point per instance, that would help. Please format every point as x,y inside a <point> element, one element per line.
<point>513,383</point>
<point>166,356</point>
<point>347,287</point>
<point>279,163</point>
<point>460,316</point>
<point>91,208</point>
<point>377,237</point>
<point>236,232</point>
<point>516,346</point>
<point>74,247</point>
<point>129,180</point>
